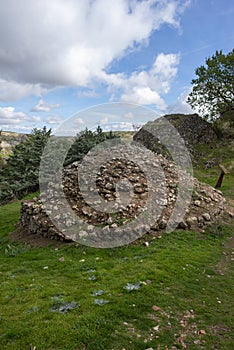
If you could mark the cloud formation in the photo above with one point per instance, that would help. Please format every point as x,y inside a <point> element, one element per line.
<point>146,87</point>
<point>10,117</point>
<point>43,106</point>
<point>46,44</point>
<point>181,105</point>
<point>13,91</point>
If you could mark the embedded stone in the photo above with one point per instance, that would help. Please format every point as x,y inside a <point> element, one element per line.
<point>206,216</point>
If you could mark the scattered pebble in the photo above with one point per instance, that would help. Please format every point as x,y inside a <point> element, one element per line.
<point>156,308</point>
<point>97,293</point>
<point>132,286</point>
<point>92,278</point>
<point>101,302</point>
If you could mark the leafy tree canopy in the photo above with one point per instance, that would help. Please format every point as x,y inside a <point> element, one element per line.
<point>213,89</point>
<point>19,175</point>
<point>0,141</point>
<point>85,141</point>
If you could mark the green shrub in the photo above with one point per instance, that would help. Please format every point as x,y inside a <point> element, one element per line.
<point>85,141</point>
<point>19,175</point>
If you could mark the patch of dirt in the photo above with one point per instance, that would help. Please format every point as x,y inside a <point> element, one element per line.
<point>220,330</point>
<point>34,239</point>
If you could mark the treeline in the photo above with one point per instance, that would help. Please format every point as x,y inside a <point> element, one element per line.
<point>19,175</point>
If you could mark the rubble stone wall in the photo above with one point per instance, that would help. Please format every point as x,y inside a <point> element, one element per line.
<point>206,207</point>
<point>191,127</point>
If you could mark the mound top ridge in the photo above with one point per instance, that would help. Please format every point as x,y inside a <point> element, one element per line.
<point>191,127</point>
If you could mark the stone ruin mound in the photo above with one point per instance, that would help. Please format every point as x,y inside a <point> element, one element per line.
<point>191,127</point>
<point>123,182</point>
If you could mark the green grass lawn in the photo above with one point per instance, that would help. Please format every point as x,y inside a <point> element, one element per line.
<point>181,297</point>
<point>219,153</point>
<point>177,273</point>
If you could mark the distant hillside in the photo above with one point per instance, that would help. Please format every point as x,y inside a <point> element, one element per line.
<point>125,135</point>
<point>8,141</point>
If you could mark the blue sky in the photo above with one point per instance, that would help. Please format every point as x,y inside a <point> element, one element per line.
<point>58,57</point>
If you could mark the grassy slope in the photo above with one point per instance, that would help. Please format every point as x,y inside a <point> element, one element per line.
<point>186,284</point>
<point>220,153</point>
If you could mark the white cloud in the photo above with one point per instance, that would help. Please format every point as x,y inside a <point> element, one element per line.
<point>87,93</point>
<point>46,44</point>
<point>10,117</point>
<point>146,87</point>
<point>144,96</point>
<point>13,91</point>
<point>53,119</point>
<point>43,106</point>
<point>165,66</point>
<point>129,115</point>
<point>79,121</point>
<point>104,120</point>
<point>181,106</point>
<point>121,126</point>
